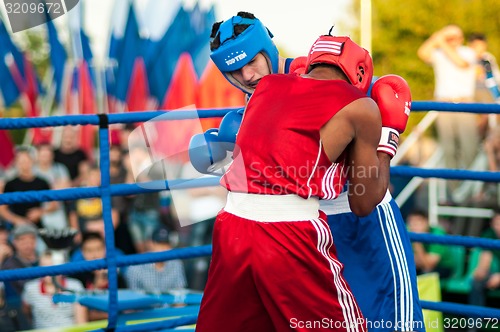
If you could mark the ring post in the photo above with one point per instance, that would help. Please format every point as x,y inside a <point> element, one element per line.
<point>108,221</point>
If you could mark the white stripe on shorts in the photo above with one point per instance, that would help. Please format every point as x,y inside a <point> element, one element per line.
<point>346,300</point>
<point>399,265</point>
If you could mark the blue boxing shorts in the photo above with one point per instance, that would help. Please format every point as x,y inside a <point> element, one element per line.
<point>378,264</point>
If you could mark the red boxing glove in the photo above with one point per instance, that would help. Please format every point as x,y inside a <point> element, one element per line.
<point>393,97</point>
<point>298,65</point>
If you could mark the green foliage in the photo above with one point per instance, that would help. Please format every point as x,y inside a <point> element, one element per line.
<point>34,43</point>
<point>400,27</point>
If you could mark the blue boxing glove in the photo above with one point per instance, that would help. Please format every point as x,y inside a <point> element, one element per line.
<point>229,127</point>
<point>205,150</point>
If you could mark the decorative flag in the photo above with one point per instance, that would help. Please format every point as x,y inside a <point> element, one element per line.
<point>130,49</point>
<point>138,91</point>
<point>202,23</point>
<point>58,57</point>
<point>181,94</point>
<point>176,40</point>
<point>7,155</point>
<point>214,91</point>
<point>87,105</point>
<point>10,91</point>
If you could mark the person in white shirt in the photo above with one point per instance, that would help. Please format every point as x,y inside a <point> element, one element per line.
<point>159,277</point>
<point>454,67</point>
<point>38,304</point>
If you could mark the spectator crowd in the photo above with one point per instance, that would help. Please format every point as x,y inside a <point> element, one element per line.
<point>142,223</point>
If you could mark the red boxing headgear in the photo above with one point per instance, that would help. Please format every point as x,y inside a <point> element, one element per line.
<point>355,61</point>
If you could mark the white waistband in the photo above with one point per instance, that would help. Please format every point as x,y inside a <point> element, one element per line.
<point>341,204</point>
<point>269,208</point>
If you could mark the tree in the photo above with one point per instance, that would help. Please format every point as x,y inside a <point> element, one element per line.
<point>400,27</point>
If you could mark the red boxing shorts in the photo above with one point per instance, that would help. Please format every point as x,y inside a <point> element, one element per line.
<point>277,274</point>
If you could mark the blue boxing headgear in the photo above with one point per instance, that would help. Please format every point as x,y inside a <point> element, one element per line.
<point>235,52</point>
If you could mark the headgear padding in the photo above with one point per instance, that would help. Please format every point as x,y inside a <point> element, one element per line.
<point>235,52</point>
<point>352,59</point>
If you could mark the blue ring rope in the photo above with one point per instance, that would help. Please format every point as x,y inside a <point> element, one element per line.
<point>450,174</point>
<point>112,261</point>
<point>129,189</point>
<point>466,310</point>
<point>115,190</point>
<point>183,253</point>
<point>466,241</point>
<point>478,108</point>
<point>123,260</point>
<point>92,119</point>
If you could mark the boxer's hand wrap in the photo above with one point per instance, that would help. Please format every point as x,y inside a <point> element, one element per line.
<point>393,97</point>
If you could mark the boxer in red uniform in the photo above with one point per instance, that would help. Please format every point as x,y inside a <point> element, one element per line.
<point>274,264</point>
<point>376,250</point>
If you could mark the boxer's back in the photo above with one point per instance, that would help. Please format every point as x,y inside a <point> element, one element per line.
<point>279,141</point>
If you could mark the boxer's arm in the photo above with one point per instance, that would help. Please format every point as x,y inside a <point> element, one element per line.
<point>370,177</point>
<point>367,169</point>
<point>356,129</point>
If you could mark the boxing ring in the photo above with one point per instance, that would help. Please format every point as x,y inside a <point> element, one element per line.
<point>115,302</point>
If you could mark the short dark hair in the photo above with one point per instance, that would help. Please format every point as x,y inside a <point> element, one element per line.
<point>477,36</point>
<point>30,151</point>
<point>238,29</point>
<point>339,70</point>
<point>88,236</point>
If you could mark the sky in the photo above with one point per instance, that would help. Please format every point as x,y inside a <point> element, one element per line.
<point>294,25</point>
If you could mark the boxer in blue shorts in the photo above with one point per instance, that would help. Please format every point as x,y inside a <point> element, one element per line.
<point>375,250</point>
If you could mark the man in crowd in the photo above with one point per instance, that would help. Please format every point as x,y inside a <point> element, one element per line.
<point>24,239</point>
<point>26,180</point>
<point>158,277</point>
